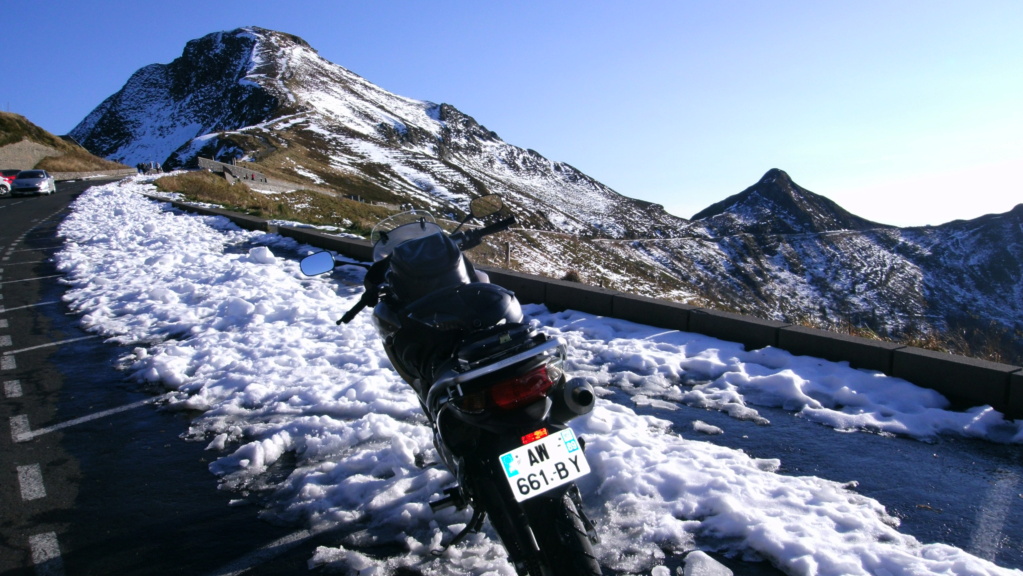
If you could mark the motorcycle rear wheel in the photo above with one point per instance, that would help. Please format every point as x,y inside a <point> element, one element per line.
<point>561,535</point>
<point>552,522</point>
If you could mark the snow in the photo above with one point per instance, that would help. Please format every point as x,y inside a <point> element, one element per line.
<point>337,97</point>
<point>361,113</point>
<point>309,420</point>
<point>678,367</point>
<point>303,171</point>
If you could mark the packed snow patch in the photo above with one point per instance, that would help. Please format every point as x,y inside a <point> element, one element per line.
<point>309,420</point>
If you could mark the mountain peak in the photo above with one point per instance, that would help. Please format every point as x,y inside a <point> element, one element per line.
<point>776,175</point>
<point>777,205</point>
<point>214,86</point>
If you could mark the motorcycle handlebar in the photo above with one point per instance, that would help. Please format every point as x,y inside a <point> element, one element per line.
<point>472,238</point>
<point>351,314</point>
<point>369,298</point>
<point>496,227</point>
<point>465,240</point>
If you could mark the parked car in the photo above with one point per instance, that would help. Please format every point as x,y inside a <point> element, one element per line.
<point>9,175</point>
<point>33,182</point>
<point>6,177</point>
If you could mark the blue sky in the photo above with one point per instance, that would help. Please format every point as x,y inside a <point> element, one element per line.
<point>906,112</point>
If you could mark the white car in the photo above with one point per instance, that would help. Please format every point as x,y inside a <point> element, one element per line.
<point>33,182</point>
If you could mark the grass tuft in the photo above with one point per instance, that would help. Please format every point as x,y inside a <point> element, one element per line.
<point>298,206</point>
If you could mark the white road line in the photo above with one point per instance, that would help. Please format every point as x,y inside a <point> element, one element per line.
<point>19,427</point>
<point>3,323</point>
<point>31,480</point>
<point>2,309</point>
<point>46,554</point>
<point>49,344</point>
<point>5,340</point>
<point>12,388</point>
<point>23,433</point>
<point>8,363</point>
<point>31,279</point>
<point>37,249</point>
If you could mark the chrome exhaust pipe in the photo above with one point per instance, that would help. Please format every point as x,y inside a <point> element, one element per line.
<point>575,399</point>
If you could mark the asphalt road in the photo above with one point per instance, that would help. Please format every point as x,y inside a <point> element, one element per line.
<point>94,478</point>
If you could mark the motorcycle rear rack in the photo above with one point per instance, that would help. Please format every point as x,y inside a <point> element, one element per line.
<point>450,388</point>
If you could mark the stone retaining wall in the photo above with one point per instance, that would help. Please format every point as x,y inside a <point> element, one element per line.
<point>24,155</point>
<point>257,180</point>
<point>123,173</point>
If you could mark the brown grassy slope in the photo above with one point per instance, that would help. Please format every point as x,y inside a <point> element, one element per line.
<point>299,206</point>
<point>69,157</point>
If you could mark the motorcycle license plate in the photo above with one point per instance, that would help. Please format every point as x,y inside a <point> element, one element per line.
<point>544,465</point>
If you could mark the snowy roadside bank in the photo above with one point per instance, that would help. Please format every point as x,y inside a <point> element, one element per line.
<point>309,419</point>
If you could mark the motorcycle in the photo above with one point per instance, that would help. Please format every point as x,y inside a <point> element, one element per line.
<point>494,390</point>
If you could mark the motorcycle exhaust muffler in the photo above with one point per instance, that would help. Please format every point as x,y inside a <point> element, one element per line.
<point>575,398</point>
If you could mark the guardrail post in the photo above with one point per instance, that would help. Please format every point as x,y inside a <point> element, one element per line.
<point>1015,408</point>
<point>859,352</point>
<point>651,311</point>
<point>751,332</point>
<point>964,381</point>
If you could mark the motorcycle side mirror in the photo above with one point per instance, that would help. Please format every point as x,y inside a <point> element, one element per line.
<point>318,263</point>
<point>486,206</point>
<point>482,207</point>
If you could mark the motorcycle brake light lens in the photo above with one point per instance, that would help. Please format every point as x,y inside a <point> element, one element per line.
<point>534,436</point>
<point>522,390</point>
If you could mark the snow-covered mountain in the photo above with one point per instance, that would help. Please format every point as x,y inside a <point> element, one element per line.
<point>775,250</point>
<point>258,94</point>
<point>779,251</point>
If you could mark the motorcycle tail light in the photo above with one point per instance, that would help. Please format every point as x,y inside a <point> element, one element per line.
<point>523,389</point>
